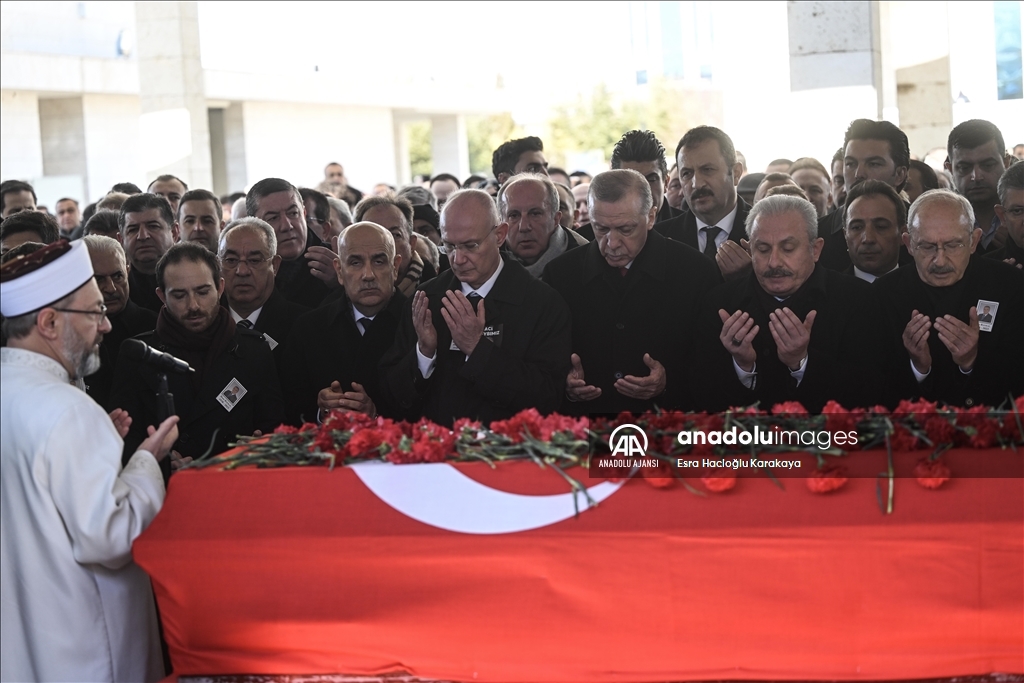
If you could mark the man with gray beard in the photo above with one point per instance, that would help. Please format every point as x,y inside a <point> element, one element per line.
<point>75,606</point>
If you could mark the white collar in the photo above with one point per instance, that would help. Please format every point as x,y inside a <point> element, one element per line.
<point>14,356</point>
<point>358,315</point>
<point>725,224</point>
<point>868,277</point>
<point>252,317</point>
<point>484,289</point>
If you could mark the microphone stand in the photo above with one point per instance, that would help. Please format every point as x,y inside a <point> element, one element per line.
<point>164,399</point>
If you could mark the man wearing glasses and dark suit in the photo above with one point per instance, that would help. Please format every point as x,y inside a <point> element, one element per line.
<point>484,340</point>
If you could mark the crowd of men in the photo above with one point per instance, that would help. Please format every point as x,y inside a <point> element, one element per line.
<point>697,287</point>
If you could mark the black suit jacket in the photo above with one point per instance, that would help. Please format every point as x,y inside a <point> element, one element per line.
<point>132,320</point>
<point>683,228</point>
<point>276,321</point>
<point>1008,250</point>
<point>616,319</point>
<point>325,346</point>
<point>246,359</point>
<point>520,363</point>
<point>999,368</point>
<point>142,290</point>
<point>842,357</point>
<point>296,283</point>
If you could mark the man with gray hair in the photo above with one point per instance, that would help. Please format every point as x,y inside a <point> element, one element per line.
<point>484,340</point>
<point>340,218</point>
<point>396,215</point>
<point>529,206</point>
<point>634,296</point>
<point>75,606</point>
<point>938,348</point>
<point>1010,210</point>
<point>790,330</point>
<point>249,262</point>
<point>127,319</point>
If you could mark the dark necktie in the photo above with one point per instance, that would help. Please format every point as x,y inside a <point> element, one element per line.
<point>474,298</point>
<point>623,271</point>
<point>365,324</point>
<point>244,322</point>
<point>711,233</point>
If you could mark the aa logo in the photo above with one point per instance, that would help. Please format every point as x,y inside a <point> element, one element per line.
<point>628,441</point>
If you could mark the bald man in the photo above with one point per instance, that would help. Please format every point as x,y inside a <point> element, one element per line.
<point>332,355</point>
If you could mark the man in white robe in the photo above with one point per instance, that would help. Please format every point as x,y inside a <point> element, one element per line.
<point>74,605</point>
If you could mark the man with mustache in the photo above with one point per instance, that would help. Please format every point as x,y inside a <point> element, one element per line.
<point>709,172</point>
<point>127,318</point>
<point>148,230</point>
<point>194,327</point>
<point>875,150</point>
<point>876,219</point>
<point>936,348</point>
<point>791,330</point>
<point>977,158</point>
<point>333,354</point>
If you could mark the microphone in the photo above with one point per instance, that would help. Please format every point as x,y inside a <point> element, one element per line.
<point>136,349</point>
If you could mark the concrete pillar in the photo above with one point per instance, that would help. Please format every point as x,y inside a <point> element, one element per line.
<point>62,131</point>
<point>236,170</point>
<point>836,45</point>
<point>21,155</point>
<point>175,136</point>
<point>400,121</point>
<point>449,145</point>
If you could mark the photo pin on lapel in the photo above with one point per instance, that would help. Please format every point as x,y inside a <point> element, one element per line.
<point>987,314</point>
<point>231,394</point>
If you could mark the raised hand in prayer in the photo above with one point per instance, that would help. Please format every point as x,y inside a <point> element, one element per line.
<point>122,421</point>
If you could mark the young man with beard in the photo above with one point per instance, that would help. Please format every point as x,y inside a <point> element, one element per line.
<point>75,606</point>
<point>194,327</point>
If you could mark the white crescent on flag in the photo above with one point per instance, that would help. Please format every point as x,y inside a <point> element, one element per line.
<point>439,495</point>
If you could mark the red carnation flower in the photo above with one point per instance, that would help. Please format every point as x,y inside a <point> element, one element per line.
<point>838,418</point>
<point>665,480</point>
<point>827,479</point>
<point>902,440</point>
<point>931,474</point>
<point>939,430</point>
<point>719,481</point>
<point>789,408</point>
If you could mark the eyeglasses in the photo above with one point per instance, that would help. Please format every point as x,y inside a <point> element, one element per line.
<point>448,248</point>
<point>97,316</point>
<point>931,250</point>
<point>254,262</point>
